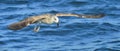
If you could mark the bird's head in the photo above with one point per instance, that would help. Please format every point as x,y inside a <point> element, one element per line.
<point>56,20</point>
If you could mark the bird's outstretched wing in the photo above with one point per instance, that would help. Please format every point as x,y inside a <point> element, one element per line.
<point>81,15</point>
<point>24,23</point>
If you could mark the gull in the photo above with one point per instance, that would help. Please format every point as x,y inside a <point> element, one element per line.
<point>47,19</point>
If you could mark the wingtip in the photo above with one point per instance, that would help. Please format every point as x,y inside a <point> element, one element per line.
<point>102,14</point>
<point>92,16</point>
<point>12,27</point>
<point>17,26</point>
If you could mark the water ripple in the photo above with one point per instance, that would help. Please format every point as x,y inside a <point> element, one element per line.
<point>73,34</point>
<point>105,49</point>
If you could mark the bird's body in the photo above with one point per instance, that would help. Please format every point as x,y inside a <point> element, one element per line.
<point>46,19</point>
<point>49,19</point>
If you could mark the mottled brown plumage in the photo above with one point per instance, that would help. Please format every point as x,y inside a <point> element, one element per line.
<point>47,19</point>
<point>23,23</point>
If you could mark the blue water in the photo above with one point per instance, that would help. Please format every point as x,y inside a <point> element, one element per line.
<point>73,34</point>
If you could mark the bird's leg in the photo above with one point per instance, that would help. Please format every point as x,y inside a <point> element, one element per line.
<point>37,27</point>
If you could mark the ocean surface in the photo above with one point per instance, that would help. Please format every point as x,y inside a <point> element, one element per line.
<point>74,34</point>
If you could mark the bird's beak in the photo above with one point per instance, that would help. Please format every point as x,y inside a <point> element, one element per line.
<point>58,24</point>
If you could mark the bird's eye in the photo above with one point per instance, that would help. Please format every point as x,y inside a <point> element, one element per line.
<point>55,18</point>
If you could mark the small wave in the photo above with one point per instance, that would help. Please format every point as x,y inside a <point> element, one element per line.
<point>109,27</point>
<point>116,41</point>
<point>105,49</point>
<point>56,32</point>
<point>53,11</point>
<point>7,41</point>
<point>8,9</point>
<point>78,25</point>
<point>19,46</point>
<point>76,3</point>
<point>14,1</point>
<point>2,43</point>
